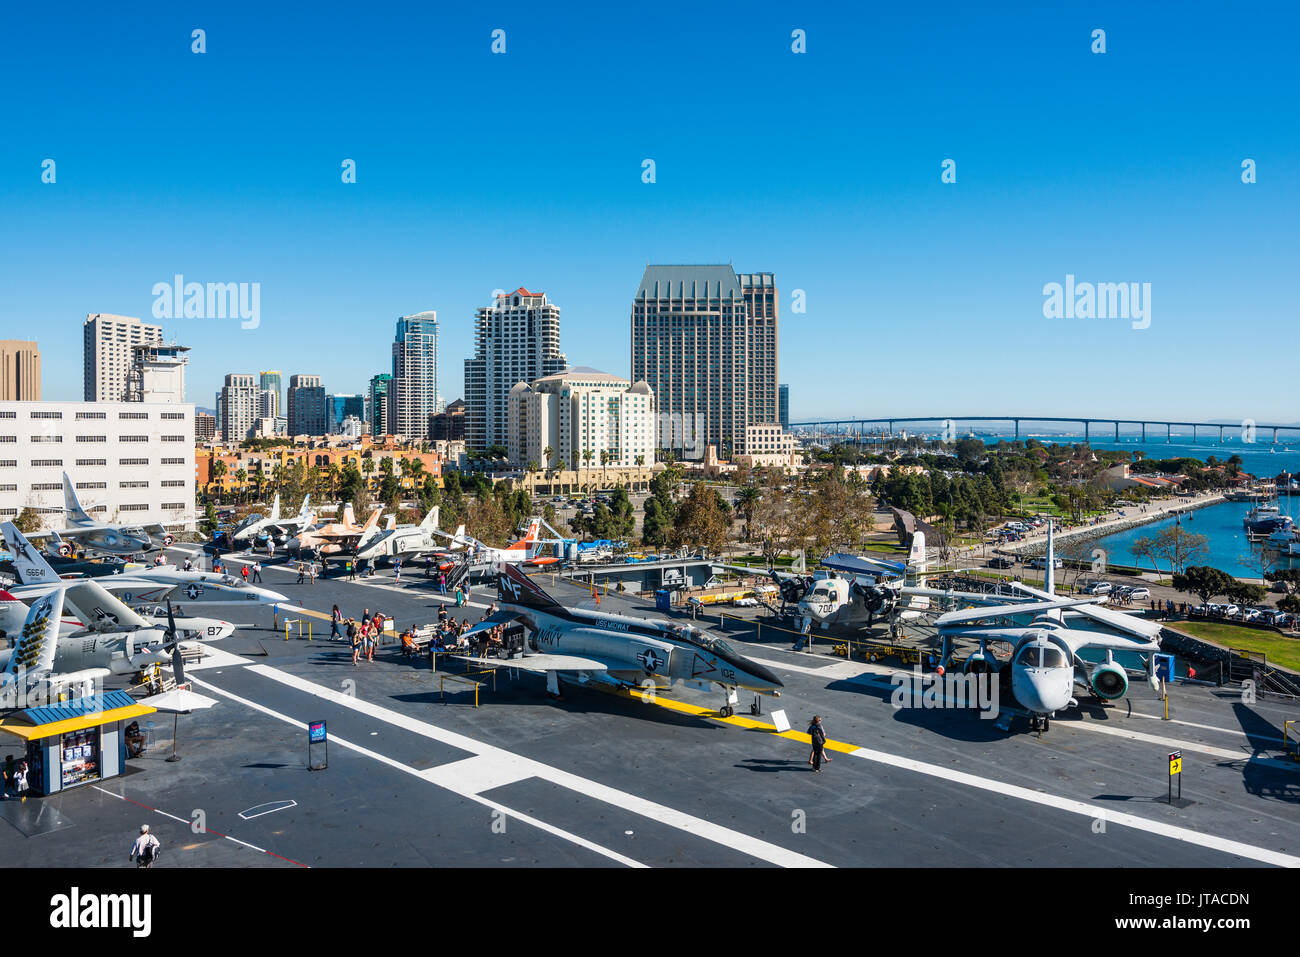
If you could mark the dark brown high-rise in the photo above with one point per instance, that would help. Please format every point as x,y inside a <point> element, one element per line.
<point>20,370</point>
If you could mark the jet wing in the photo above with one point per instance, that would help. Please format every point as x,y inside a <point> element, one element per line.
<point>1130,625</point>
<point>956,618</point>
<point>859,565</point>
<point>1079,640</point>
<point>98,609</point>
<point>541,663</point>
<point>499,618</point>
<point>36,645</point>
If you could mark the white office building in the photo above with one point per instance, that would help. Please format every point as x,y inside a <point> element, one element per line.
<point>516,339</point>
<point>132,463</point>
<point>578,411</point>
<point>106,352</point>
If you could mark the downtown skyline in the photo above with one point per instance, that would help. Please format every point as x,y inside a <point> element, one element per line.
<point>1120,167</point>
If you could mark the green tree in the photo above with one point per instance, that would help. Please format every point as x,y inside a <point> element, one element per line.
<point>699,521</point>
<point>1204,582</point>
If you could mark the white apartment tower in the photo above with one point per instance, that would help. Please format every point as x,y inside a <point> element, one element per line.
<point>107,342</point>
<point>413,391</point>
<point>517,339</point>
<point>577,412</point>
<point>237,407</point>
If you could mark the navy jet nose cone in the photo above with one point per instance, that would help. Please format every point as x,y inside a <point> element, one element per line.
<point>763,673</point>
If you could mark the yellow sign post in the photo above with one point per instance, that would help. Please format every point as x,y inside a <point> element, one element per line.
<point>1175,768</point>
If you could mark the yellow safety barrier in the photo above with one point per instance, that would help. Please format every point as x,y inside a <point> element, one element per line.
<point>467,678</point>
<point>298,622</point>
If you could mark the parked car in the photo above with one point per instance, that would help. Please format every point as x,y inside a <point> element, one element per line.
<point>1097,588</point>
<point>1139,593</point>
<point>1252,614</point>
<point>1001,562</point>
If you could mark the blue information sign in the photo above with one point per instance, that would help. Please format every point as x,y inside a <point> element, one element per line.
<point>316,732</point>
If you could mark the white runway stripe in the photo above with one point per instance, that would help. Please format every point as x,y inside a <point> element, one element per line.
<point>754,847</point>
<point>1094,811</point>
<point>397,765</point>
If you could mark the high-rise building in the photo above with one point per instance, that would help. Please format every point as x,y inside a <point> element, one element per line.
<point>205,427</point>
<point>580,415</point>
<point>106,352</point>
<point>783,407</point>
<point>377,404</point>
<point>157,372</point>
<point>237,407</point>
<point>414,387</point>
<point>449,424</point>
<point>517,339</point>
<point>342,406</point>
<point>271,381</point>
<point>705,340</point>
<point>20,370</point>
<point>308,413</point>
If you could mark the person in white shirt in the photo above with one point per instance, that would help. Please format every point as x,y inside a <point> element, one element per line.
<point>145,849</point>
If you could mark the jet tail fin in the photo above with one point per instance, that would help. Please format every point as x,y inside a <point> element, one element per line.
<point>430,520</point>
<point>349,516</point>
<point>76,514</point>
<point>516,588</point>
<point>275,508</point>
<point>304,515</point>
<point>31,566</point>
<point>372,521</point>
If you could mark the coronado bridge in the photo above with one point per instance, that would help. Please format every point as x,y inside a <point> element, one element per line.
<point>1247,429</point>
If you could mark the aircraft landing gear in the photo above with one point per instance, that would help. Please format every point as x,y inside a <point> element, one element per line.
<point>726,711</point>
<point>1039,723</point>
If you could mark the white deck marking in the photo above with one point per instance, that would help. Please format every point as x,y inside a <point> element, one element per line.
<point>1088,810</point>
<point>745,844</point>
<point>1178,745</point>
<point>477,774</point>
<point>270,808</point>
<point>397,765</point>
<point>1210,727</point>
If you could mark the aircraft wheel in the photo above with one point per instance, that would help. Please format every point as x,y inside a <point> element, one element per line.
<point>65,550</point>
<point>168,540</point>
<point>726,711</point>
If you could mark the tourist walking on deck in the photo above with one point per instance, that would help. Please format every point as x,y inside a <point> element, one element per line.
<point>145,849</point>
<point>818,736</point>
<point>336,617</point>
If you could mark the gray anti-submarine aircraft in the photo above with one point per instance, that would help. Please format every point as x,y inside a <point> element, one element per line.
<point>1045,665</point>
<point>592,647</point>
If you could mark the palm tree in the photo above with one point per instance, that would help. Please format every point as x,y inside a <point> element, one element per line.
<point>746,499</point>
<point>241,476</point>
<point>367,469</point>
<point>219,471</point>
<point>415,469</point>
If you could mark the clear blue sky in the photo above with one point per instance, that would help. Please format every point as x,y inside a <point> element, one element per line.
<point>479,171</point>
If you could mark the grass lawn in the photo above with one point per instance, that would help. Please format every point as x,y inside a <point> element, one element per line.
<point>1279,650</point>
